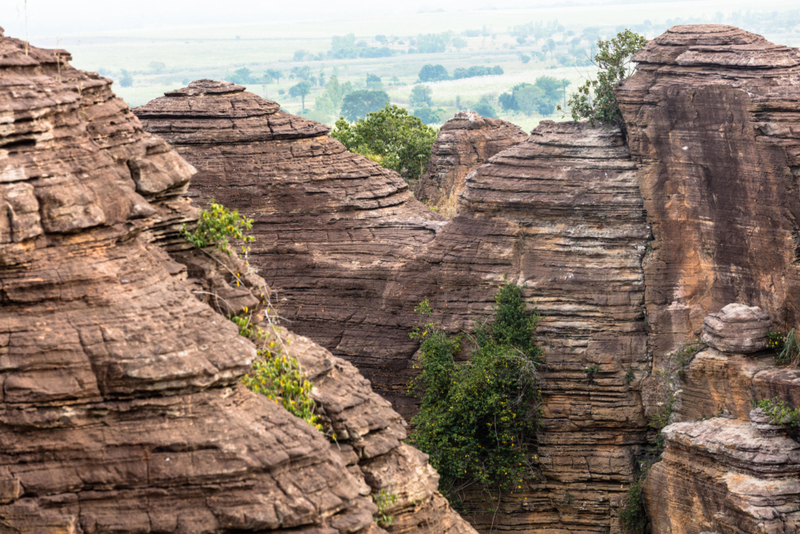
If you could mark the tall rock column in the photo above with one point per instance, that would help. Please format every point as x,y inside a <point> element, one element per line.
<point>561,214</point>
<point>712,117</point>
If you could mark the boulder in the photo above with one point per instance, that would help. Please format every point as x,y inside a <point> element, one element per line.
<point>737,328</point>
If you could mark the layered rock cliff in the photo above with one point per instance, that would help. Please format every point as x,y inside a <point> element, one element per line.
<point>712,120</point>
<point>333,228</point>
<point>464,142</point>
<point>586,277</point>
<point>121,405</point>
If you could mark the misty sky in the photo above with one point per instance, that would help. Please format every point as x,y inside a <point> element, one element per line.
<point>50,18</point>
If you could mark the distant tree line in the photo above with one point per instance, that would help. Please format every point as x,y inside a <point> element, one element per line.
<point>540,97</point>
<point>436,73</point>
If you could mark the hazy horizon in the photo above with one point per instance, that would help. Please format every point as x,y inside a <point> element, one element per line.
<point>44,21</point>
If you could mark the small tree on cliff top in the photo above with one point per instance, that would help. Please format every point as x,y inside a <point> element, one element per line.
<point>595,99</point>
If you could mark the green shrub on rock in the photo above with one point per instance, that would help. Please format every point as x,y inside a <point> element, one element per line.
<point>478,419</point>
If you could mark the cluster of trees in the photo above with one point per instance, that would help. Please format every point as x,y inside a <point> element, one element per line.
<point>431,43</point>
<point>391,137</point>
<point>540,97</point>
<point>346,47</point>
<point>436,73</point>
<point>478,70</point>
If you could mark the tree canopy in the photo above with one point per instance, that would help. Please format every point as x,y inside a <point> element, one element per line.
<point>391,137</point>
<point>357,104</point>
<point>595,99</point>
<point>421,96</point>
<point>301,90</point>
<point>433,73</point>
<point>541,97</point>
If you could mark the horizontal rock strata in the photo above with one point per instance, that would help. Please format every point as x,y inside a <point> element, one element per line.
<point>725,476</point>
<point>464,142</point>
<point>332,228</point>
<point>561,214</point>
<point>121,405</point>
<point>586,276</point>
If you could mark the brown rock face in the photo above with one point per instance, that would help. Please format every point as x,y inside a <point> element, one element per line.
<point>712,119</point>
<point>561,213</point>
<point>725,476</point>
<point>333,229</point>
<point>120,402</point>
<point>586,276</point>
<point>464,142</point>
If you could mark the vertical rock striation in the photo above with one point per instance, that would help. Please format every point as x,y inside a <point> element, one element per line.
<point>464,142</point>
<point>712,117</point>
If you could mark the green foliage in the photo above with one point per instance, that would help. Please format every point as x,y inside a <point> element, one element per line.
<point>629,376</point>
<point>384,500</point>
<point>301,89</point>
<point>374,82</point>
<point>595,100</point>
<point>431,43</point>
<point>421,96</point>
<point>591,370</point>
<point>217,226</point>
<point>477,70</point>
<point>484,109</point>
<point>357,104</point>
<point>786,347</point>
<point>391,137</point>
<point>433,73</point>
<point>540,97</point>
<point>632,515</point>
<point>780,413</point>
<point>330,101</point>
<point>273,75</point>
<point>242,76</point>
<point>478,419</point>
<point>430,115</point>
<point>277,375</point>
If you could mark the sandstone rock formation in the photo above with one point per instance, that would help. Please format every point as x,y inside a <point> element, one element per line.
<point>510,223</point>
<point>121,404</point>
<point>712,119</point>
<point>332,228</point>
<point>708,159</point>
<point>737,328</point>
<point>586,279</point>
<point>464,142</point>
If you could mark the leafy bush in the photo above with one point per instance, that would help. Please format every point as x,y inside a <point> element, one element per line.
<point>217,226</point>
<point>391,137</point>
<point>595,100</point>
<point>786,347</point>
<point>277,375</point>
<point>632,515</point>
<point>478,419</point>
<point>780,413</point>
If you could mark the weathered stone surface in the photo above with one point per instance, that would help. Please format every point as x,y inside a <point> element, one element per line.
<point>333,229</point>
<point>463,143</point>
<point>561,213</point>
<point>724,476</point>
<point>712,117</point>
<point>360,272</point>
<point>121,405</point>
<point>737,328</point>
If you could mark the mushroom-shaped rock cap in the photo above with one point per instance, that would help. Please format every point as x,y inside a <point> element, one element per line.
<point>737,328</point>
<point>717,45</point>
<point>217,113</point>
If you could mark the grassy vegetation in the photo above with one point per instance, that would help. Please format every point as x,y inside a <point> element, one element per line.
<point>485,37</point>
